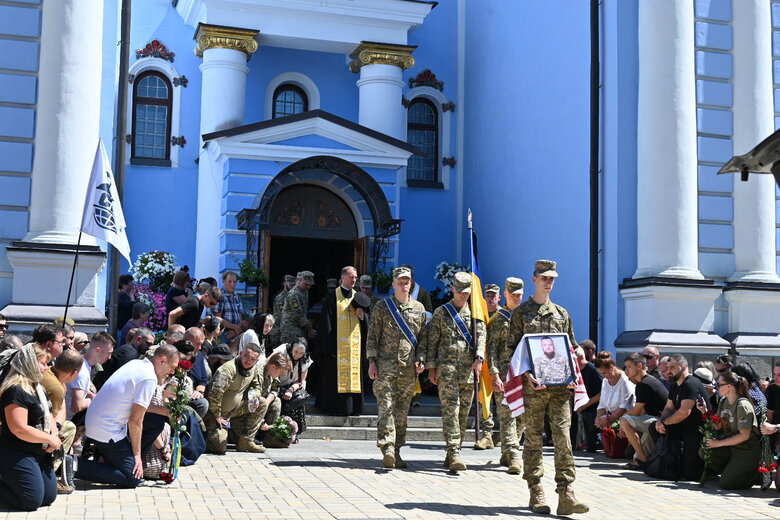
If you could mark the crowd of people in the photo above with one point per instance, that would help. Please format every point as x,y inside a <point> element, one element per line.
<point>96,409</point>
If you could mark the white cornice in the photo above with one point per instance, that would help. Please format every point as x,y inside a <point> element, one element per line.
<point>290,154</point>
<point>323,25</point>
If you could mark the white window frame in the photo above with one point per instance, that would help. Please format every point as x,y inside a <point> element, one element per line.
<point>445,128</point>
<point>166,68</point>
<point>293,78</point>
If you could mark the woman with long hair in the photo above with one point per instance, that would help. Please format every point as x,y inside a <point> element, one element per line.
<point>294,380</point>
<point>258,334</point>
<point>735,456</point>
<point>28,434</point>
<point>212,330</point>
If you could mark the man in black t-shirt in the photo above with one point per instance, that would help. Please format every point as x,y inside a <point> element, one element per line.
<point>773,395</point>
<point>681,418</point>
<point>188,313</point>
<point>592,380</point>
<point>651,397</point>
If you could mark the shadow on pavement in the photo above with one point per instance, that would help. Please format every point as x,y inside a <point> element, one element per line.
<point>454,509</point>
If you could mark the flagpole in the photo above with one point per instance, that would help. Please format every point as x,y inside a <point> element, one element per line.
<point>477,411</point>
<point>72,276</point>
<point>119,154</point>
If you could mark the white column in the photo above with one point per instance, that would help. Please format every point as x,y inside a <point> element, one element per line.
<point>225,52</point>
<point>754,200</point>
<point>381,86</point>
<point>667,238</point>
<point>67,118</point>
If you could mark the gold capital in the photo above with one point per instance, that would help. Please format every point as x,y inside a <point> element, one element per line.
<point>372,53</point>
<point>221,37</point>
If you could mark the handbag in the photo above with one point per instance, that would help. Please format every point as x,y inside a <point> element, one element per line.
<point>299,397</point>
<point>665,461</point>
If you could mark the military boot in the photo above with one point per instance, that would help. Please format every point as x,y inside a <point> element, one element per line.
<point>388,456</point>
<point>537,502</point>
<point>399,462</point>
<point>515,464</point>
<point>456,463</point>
<point>447,460</point>
<point>485,443</point>
<point>505,458</point>
<point>249,445</point>
<point>568,505</point>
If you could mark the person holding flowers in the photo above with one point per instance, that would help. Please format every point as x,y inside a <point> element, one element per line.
<point>734,450</point>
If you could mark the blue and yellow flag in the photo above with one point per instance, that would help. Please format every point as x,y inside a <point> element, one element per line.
<point>479,311</point>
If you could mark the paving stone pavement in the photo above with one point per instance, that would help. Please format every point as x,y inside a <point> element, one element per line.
<point>344,479</point>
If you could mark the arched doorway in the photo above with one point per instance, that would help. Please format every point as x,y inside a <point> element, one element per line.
<point>311,228</point>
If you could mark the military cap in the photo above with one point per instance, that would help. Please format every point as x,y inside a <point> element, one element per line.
<point>332,283</point>
<point>514,285</point>
<point>491,287</point>
<point>462,282</point>
<point>366,281</point>
<point>307,277</point>
<point>289,278</point>
<point>402,272</point>
<point>546,268</point>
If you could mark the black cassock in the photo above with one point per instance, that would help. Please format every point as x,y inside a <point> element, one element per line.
<point>328,399</point>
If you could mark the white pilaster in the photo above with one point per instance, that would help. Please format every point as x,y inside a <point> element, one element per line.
<point>754,200</point>
<point>67,118</point>
<point>667,242</point>
<point>225,52</point>
<point>381,86</point>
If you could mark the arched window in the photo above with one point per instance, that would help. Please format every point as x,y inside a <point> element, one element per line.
<point>152,99</point>
<point>423,133</point>
<point>289,100</point>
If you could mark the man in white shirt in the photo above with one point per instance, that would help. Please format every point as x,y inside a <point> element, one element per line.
<point>116,416</point>
<point>79,395</point>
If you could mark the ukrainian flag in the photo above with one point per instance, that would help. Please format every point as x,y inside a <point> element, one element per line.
<point>479,311</point>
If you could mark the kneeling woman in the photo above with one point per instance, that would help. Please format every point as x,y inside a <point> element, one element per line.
<point>294,380</point>
<point>736,456</point>
<point>28,435</point>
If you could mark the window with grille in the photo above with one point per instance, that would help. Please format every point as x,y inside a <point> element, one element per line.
<point>423,133</point>
<point>152,100</point>
<point>289,100</point>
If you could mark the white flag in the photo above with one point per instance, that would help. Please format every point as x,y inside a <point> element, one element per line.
<point>102,217</point>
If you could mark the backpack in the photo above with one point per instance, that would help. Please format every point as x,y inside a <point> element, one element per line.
<point>665,462</point>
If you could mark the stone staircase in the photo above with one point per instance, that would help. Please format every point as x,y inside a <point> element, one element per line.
<point>424,423</point>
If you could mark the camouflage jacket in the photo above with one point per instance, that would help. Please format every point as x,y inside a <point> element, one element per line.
<point>228,387</point>
<point>531,318</point>
<point>278,305</point>
<point>498,353</point>
<point>387,344</point>
<point>269,385</point>
<point>296,306</point>
<point>446,345</point>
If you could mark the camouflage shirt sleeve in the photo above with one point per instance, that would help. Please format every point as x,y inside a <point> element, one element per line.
<point>496,338</point>
<point>515,332</point>
<point>481,338</point>
<point>433,338</point>
<point>375,331</point>
<point>219,383</point>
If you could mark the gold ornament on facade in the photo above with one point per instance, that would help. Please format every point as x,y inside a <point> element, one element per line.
<point>371,53</point>
<point>221,37</point>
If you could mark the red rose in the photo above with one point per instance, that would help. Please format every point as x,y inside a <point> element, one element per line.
<point>166,477</point>
<point>715,419</point>
<point>185,365</point>
<point>763,469</point>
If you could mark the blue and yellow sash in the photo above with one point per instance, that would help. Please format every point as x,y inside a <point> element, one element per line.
<point>464,331</point>
<point>399,320</point>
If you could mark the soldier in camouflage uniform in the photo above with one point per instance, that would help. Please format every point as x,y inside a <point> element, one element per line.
<point>296,307</point>
<point>278,306</point>
<point>269,403</point>
<point>229,406</point>
<point>499,355</point>
<point>367,287</point>
<point>539,315</point>
<point>394,363</point>
<point>452,363</point>
<point>486,442</point>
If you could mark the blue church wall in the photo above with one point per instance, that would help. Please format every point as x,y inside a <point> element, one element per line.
<point>160,202</point>
<point>527,117</point>
<point>20,27</point>
<point>776,80</point>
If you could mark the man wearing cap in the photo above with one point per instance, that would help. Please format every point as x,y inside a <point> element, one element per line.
<point>341,337</point>
<point>539,315</point>
<point>492,297</point>
<point>296,307</point>
<point>499,355</point>
<point>453,359</point>
<point>366,286</point>
<point>278,305</point>
<point>395,356</point>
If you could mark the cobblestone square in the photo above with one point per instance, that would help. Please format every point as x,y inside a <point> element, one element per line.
<point>344,479</point>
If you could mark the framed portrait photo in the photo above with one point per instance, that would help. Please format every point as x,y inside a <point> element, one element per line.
<point>550,358</point>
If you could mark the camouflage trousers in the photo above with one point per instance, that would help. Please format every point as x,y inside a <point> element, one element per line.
<point>275,337</point>
<point>512,428</point>
<point>393,388</point>
<point>456,392</point>
<point>289,334</point>
<point>243,424</point>
<point>67,435</point>
<point>553,402</point>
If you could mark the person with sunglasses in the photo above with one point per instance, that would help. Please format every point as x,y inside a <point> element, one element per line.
<point>188,313</point>
<point>652,359</point>
<point>3,326</point>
